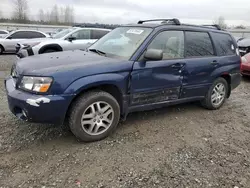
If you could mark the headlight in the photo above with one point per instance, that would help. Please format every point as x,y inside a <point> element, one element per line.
<point>31,45</point>
<point>36,84</point>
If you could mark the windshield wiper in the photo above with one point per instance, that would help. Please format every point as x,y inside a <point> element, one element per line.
<point>98,52</point>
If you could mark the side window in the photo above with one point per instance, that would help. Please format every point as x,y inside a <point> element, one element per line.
<point>33,34</point>
<point>18,35</point>
<point>97,34</point>
<point>198,44</point>
<point>82,34</point>
<point>3,32</point>
<point>224,44</point>
<point>171,43</point>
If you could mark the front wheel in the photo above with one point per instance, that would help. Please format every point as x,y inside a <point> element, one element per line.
<point>94,116</point>
<point>216,95</point>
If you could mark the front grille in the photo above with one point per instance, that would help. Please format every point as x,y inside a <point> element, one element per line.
<point>18,46</point>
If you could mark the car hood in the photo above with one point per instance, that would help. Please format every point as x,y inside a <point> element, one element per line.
<point>244,43</point>
<point>76,63</point>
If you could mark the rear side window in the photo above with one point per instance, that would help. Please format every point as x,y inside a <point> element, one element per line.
<point>198,44</point>
<point>97,34</point>
<point>224,44</point>
<point>33,34</point>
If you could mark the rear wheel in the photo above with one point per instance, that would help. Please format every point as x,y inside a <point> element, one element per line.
<point>94,116</point>
<point>216,95</point>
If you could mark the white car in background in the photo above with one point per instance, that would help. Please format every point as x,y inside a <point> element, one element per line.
<point>69,39</point>
<point>3,33</point>
<point>8,43</point>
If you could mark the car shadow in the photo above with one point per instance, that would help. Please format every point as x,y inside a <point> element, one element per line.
<point>8,53</point>
<point>246,78</point>
<point>25,135</point>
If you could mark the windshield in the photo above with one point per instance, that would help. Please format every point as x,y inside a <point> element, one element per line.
<point>63,33</point>
<point>122,42</point>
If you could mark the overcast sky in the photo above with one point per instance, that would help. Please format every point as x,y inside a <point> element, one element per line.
<point>129,11</point>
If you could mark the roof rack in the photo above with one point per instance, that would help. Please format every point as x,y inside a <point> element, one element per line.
<point>175,21</point>
<point>214,25</point>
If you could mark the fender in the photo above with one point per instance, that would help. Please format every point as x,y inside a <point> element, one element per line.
<point>49,46</point>
<point>224,70</point>
<point>2,47</point>
<point>227,69</point>
<point>116,79</point>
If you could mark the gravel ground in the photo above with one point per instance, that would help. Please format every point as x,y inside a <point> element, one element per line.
<point>180,146</point>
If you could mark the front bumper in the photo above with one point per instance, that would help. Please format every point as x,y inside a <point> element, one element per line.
<point>21,53</point>
<point>36,108</point>
<point>245,69</point>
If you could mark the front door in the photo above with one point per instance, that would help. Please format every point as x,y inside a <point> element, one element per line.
<point>159,81</point>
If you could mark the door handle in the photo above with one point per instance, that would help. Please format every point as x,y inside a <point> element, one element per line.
<point>214,62</point>
<point>177,66</point>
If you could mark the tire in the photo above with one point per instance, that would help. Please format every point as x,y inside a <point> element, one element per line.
<point>82,109</point>
<point>1,50</point>
<point>49,51</point>
<point>207,102</point>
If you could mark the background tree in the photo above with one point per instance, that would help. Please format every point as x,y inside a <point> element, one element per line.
<point>41,15</point>
<point>69,15</point>
<point>54,17</point>
<point>240,27</point>
<point>20,10</point>
<point>221,22</point>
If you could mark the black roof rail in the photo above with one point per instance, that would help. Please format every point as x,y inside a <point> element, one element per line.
<point>175,21</point>
<point>213,25</point>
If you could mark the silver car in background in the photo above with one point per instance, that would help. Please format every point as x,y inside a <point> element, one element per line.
<point>8,43</point>
<point>69,39</point>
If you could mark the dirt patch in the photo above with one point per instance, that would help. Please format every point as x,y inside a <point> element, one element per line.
<point>180,146</point>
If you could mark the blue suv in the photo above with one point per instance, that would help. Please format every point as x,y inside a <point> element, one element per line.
<point>133,68</point>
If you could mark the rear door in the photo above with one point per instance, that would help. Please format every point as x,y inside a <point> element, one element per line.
<point>201,62</point>
<point>159,81</point>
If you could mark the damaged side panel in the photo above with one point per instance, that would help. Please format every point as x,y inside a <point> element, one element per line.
<point>155,96</point>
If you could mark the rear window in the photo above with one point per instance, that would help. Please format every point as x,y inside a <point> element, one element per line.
<point>198,44</point>
<point>33,34</point>
<point>224,44</point>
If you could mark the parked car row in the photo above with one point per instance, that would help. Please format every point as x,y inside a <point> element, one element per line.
<point>68,39</point>
<point>29,42</point>
<point>132,68</point>
<point>244,50</point>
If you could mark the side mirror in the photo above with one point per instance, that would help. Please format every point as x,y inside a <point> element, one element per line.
<point>9,37</point>
<point>153,54</point>
<point>70,39</point>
